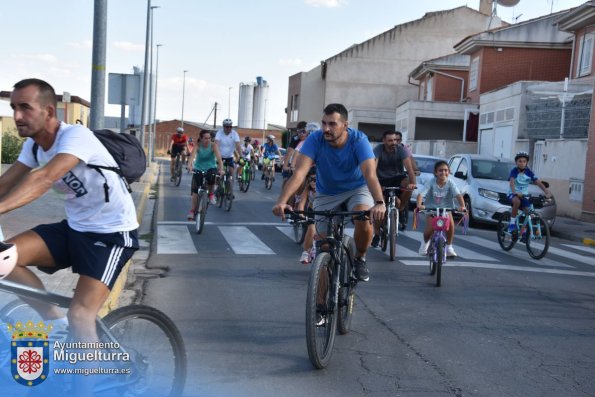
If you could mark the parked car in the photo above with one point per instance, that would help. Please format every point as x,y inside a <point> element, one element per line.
<point>424,172</point>
<point>483,182</point>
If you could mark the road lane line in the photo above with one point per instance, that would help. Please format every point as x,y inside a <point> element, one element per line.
<point>243,242</point>
<point>174,239</point>
<point>502,267</point>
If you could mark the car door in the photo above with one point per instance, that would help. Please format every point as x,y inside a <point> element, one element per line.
<point>461,173</point>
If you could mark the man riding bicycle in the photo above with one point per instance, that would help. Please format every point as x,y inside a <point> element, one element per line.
<point>178,144</point>
<point>346,175</point>
<point>98,236</point>
<point>391,157</point>
<point>228,141</point>
<point>246,155</point>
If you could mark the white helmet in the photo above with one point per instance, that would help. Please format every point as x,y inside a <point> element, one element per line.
<point>312,126</point>
<point>179,129</point>
<point>271,137</point>
<point>227,122</point>
<point>8,258</point>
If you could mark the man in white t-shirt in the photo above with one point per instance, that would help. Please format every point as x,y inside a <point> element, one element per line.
<point>98,236</point>
<point>228,141</point>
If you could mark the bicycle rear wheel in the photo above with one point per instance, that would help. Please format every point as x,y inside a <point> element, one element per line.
<point>268,182</point>
<point>538,240</point>
<point>321,319</point>
<point>392,233</point>
<point>506,239</point>
<point>347,289</point>
<point>157,352</point>
<point>440,255</point>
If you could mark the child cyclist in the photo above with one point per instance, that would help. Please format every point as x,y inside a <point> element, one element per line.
<point>441,194</point>
<point>520,178</point>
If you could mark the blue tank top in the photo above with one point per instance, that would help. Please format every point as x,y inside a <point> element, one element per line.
<point>205,158</point>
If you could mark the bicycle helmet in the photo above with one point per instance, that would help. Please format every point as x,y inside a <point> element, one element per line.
<point>521,154</point>
<point>227,122</point>
<point>8,258</point>
<point>179,129</point>
<point>311,127</point>
<point>256,142</point>
<point>271,137</point>
<point>247,139</point>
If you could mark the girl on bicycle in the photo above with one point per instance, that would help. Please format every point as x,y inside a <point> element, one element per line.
<point>307,197</point>
<point>441,193</point>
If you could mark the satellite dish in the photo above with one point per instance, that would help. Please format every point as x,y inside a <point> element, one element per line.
<point>508,3</point>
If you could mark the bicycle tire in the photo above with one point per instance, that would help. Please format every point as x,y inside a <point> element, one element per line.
<point>383,235</point>
<point>228,196</point>
<point>536,246</point>
<point>220,194</point>
<point>299,232</point>
<point>392,233</point>
<point>440,255</point>
<point>247,180</point>
<point>154,340</point>
<point>432,259</point>
<point>199,216</point>
<point>268,182</point>
<point>178,172</point>
<point>320,338</point>
<point>505,239</point>
<point>346,291</point>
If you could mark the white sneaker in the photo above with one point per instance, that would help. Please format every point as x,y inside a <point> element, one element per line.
<point>423,248</point>
<point>305,258</point>
<point>212,199</point>
<point>450,251</point>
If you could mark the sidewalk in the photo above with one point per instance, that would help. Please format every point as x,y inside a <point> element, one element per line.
<point>571,229</point>
<point>50,208</point>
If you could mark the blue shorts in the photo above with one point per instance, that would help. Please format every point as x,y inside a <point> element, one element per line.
<point>228,162</point>
<point>524,201</point>
<point>97,255</point>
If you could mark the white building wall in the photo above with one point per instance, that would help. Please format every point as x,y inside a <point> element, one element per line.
<point>245,108</point>
<point>261,92</point>
<point>311,96</point>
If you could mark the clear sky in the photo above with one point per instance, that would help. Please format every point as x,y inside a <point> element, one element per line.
<point>221,43</point>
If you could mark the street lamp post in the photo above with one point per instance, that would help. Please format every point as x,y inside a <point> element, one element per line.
<point>143,114</point>
<point>152,154</point>
<point>229,102</point>
<point>183,95</point>
<point>151,99</point>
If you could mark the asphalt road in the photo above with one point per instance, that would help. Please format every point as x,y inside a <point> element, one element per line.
<point>501,324</point>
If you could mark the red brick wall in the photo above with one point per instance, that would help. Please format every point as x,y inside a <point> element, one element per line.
<point>501,68</point>
<point>448,88</point>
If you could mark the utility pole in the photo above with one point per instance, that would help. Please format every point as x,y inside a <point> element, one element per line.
<point>143,112</point>
<point>98,64</point>
<point>215,117</point>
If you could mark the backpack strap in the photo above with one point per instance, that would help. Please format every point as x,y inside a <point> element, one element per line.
<point>34,150</point>
<point>105,185</point>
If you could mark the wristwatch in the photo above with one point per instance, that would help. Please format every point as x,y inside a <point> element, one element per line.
<point>379,202</point>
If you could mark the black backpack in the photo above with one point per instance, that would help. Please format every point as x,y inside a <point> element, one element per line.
<point>126,151</point>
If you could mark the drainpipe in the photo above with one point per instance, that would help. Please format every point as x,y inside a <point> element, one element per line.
<point>453,77</point>
<point>572,56</point>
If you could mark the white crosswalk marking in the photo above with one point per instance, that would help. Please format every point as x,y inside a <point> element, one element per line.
<point>402,252</point>
<point>461,251</point>
<point>589,250</point>
<point>174,239</point>
<point>502,267</point>
<point>288,231</point>
<point>518,251</point>
<point>572,255</point>
<point>243,242</point>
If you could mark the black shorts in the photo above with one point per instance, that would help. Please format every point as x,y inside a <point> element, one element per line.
<point>197,177</point>
<point>177,149</point>
<point>228,162</point>
<point>98,255</point>
<point>394,181</point>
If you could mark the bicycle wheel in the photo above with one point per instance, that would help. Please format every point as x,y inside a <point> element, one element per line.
<point>247,180</point>
<point>220,194</point>
<point>241,182</point>
<point>432,258</point>
<point>506,239</point>
<point>440,254</point>
<point>347,288</point>
<point>382,232</point>
<point>538,241</point>
<point>178,172</point>
<point>321,319</point>
<point>14,311</point>
<point>157,352</point>
<point>268,182</point>
<point>392,233</point>
<point>228,196</point>
<point>199,216</point>
<point>299,231</point>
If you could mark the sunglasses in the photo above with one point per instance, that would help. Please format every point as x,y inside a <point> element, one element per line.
<point>227,126</point>
<point>302,132</point>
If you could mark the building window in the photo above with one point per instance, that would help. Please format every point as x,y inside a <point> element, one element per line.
<point>430,89</point>
<point>585,55</point>
<point>295,104</point>
<point>473,74</point>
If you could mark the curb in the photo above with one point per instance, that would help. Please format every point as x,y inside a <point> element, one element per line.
<point>112,300</point>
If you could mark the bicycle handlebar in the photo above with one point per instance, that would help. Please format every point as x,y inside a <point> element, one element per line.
<point>361,215</point>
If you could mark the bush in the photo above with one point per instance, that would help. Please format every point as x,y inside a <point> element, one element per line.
<point>11,148</point>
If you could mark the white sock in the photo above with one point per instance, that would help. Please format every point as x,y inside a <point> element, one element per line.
<point>448,246</point>
<point>512,221</point>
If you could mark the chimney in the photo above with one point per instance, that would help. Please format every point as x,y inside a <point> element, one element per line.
<point>486,7</point>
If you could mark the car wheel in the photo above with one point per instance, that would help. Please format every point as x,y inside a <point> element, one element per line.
<point>469,211</point>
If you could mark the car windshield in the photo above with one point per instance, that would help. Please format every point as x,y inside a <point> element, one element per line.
<point>425,164</point>
<point>491,169</point>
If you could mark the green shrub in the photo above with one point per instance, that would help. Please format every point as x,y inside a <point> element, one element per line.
<point>11,148</point>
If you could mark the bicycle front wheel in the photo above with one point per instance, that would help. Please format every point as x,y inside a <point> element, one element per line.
<point>157,352</point>
<point>269,182</point>
<point>201,212</point>
<point>14,311</point>
<point>247,179</point>
<point>321,319</point>
<point>538,240</point>
<point>506,239</point>
<point>347,289</point>
<point>440,254</point>
<point>392,233</point>
<point>178,169</point>
<point>228,196</point>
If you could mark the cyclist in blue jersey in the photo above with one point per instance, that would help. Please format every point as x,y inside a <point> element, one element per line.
<point>345,174</point>
<point>270,152</point>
